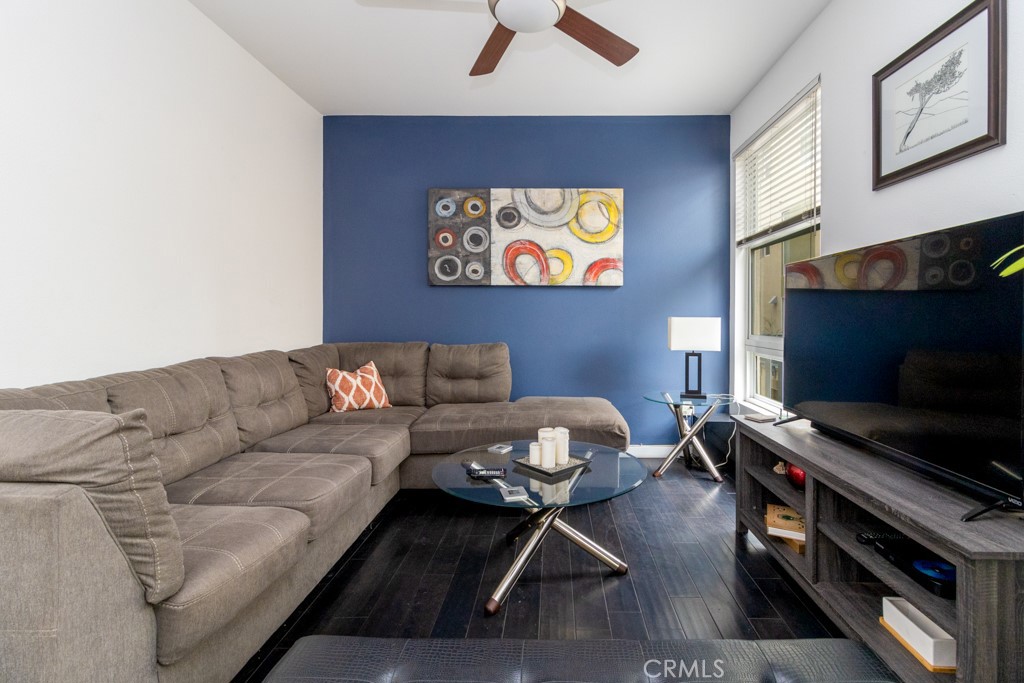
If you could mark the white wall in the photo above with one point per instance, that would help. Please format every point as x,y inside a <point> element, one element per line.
<point>846,44</point>
<point>160,193</point>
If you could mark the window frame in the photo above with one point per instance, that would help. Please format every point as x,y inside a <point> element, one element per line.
<point>766,346</point>
<point>747,347</point>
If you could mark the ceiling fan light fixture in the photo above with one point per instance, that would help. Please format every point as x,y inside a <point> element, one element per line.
<point>527,16</point>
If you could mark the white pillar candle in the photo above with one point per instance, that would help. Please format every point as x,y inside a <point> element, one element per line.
<point>547,493</point>
<point>562,492</point>
<point>545,431</point>
<point>547,452</point>
<point>535,453</point>
<point>561,446</point>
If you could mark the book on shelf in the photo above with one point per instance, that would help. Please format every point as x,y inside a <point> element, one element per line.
<point>785,522</point>
<point>799,546</point>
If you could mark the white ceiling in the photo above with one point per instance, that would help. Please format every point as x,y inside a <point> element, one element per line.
<point>412,57</point>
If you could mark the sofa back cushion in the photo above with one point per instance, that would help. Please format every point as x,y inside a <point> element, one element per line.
<point>264,393</point>
<point>87,394</point>
<point>111,458</point>
<point>187,411</point>
<point>310,366</point>
<point>25,399</point>
<point>470,373</point>
<point>402,367</point>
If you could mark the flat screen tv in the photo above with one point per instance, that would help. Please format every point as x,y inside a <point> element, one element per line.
<point>913,348</point>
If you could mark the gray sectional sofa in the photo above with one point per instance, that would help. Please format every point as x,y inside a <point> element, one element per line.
<point>161,524</point>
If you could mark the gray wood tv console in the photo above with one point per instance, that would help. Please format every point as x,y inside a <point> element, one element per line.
<point>848,490</point>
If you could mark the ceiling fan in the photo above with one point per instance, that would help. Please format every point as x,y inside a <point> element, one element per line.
<point>530,16</point>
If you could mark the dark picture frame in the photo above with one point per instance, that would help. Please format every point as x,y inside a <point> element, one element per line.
<point>927,106</point>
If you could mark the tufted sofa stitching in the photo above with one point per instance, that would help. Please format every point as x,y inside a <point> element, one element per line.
<point>142,503</point>
<point>241,475</point>
<point>221,521</point>
<point>285,394</point>
<point>59,398</point>
<point>169,602</point>
<point>220,480</point>
<point>185,453</point>
<point>402,367</point>
<point>289,474</point>
<point>189,414</point>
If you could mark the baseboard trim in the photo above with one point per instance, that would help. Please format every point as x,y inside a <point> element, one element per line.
<point>650,451</point>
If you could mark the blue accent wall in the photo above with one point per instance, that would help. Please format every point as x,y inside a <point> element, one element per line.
<point>592,341</point>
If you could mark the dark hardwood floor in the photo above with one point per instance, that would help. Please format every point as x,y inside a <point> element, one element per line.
<point>427,564</point>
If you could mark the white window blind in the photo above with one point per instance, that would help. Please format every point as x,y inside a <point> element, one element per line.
<point>778,173</point>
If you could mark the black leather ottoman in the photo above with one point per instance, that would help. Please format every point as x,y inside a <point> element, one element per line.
<point>343,659</point>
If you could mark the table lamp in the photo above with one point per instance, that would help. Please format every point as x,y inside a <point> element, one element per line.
<point>694,335</point>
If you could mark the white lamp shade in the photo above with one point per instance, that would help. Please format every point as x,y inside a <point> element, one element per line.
<point>695,334</point>
<point>528,16</point>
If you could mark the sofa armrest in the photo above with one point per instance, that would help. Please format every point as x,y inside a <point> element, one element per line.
<point>73,609</point>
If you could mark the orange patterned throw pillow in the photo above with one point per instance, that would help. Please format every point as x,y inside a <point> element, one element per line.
<point>359,390</point>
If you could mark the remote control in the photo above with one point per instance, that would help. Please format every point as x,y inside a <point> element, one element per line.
<point>869,537</point>
<point>477,471</point>
<point>514,494</point>
<point>488,473</point>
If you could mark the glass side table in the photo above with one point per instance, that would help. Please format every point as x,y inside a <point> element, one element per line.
<point>689,425</point>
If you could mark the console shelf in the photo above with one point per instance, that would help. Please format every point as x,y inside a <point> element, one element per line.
<point>782,552</point>
<point>860,604</point>
<point>778,485</point>
<point>939,610</point>
<point>849,490</point>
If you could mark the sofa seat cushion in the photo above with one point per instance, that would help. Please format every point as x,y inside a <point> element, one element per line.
<point>402,416</point>
<point>449,428</point>
<point>384,446</point>
<point>588,418</point>
<point>232,555</point>
<point>322,486</point>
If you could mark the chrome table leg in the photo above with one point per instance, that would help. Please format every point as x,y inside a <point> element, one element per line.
<point>522,559</point>
<point>594,549</point>
<point>688,435</point>
<point>702,453</point>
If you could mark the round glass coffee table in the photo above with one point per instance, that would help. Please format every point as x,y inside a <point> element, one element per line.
<point>608,473</point>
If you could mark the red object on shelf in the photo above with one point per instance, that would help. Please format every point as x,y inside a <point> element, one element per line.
<point>797,477</point>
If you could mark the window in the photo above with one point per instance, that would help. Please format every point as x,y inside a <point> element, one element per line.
<point>777,209</point>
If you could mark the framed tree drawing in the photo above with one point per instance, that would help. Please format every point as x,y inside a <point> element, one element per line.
<point>944,99</point>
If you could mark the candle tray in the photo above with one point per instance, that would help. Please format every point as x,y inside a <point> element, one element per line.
<point>556,472</point>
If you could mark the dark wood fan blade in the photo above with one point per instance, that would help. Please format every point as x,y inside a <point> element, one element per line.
<point>493,50</point>
<point>596,37</point>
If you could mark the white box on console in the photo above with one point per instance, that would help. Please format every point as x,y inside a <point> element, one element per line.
<point>924,637</point>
